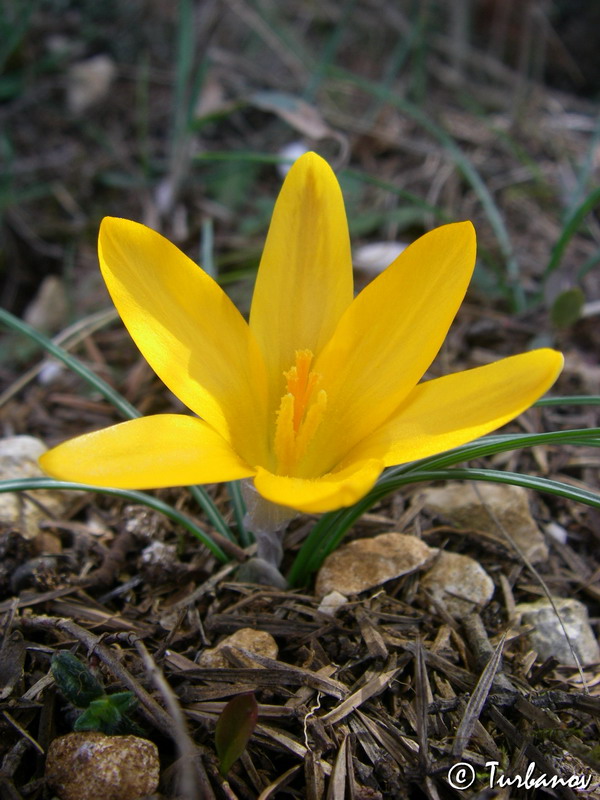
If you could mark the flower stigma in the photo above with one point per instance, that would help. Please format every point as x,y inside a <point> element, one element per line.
<point>300,413</point>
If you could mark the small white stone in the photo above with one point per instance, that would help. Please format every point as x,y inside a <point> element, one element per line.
<point>459,583</point>
<point>50,371</point>
<point>259,642</point>
<point>331,603</point>
<point>557,532</point>
<point>377,256</point>
<point>548,638</point>
<point>49,308</point>
<point>158,553</point>
<point>19,459</point>
<point>292,151</point>
<point>490,508</point>
<point>366,563</point>
<point>89,81</point>
<point>22,449</point>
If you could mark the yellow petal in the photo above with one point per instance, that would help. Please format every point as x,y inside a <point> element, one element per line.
<point>446,412</point>
<point>304,282</point>
<point>147,453</point>
<point>390,335</point>
<point>188,330</point>
<point>313,496</point>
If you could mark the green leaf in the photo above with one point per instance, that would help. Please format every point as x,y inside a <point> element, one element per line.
<point>566,309</point>
<point>75,681</point>
<point>123,701</point>
<point>234,729</point>
<point>106,714</point>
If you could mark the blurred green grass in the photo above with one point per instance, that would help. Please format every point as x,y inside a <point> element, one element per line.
<point>429,111</point>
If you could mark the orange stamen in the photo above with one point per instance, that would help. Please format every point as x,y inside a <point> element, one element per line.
<point>299,414</point>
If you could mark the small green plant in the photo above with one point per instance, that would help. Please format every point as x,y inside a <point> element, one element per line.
<point>101,711</point>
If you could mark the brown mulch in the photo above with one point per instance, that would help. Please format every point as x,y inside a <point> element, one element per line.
<point>379,701</point>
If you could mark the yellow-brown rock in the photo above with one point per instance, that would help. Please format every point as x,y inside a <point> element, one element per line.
<point>259,642</point>
<point>366,563</point>
<point>459,583</point>
<point>492,508</point>
<point>93,766</point>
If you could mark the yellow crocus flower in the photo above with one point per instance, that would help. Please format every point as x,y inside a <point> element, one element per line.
<point>319,391</point>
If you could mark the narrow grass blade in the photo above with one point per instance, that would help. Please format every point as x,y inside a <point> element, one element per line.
<point>239,511</point>
<point>467,169</point>
<point>534,482</point>
<point>570,400</point>
<point>31,484</point>
<point>490,445</point>
<point>570,228</point>
<point>269,158</point>
<point>207,252</point>
<point>74,364</point>
<point>125,407</point>
<point>330,529</point>
<point>476,701</point>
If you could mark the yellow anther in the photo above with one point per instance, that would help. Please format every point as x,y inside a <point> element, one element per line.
<point>313,418</point>
<point>299,414</point>
<point>301,382</point>
<point>284,434</point>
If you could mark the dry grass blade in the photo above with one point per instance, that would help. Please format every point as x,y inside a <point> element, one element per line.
<point>313,775</point>
<point>270,673</point>
<point>27,736</point>
<point>286,742</point>
<point>477,700</point>
<point>458,677</point>
<point>529,750</point>
<point>367,741</point>
<point>12,660</point>
<point>282,780</point>
<point>401,748</point>
<point>422,698</point>
<point>337,783</point>
<point>372,688</point>
<point>211,710</point>
<point>193,781</point>
<point>373,638</point>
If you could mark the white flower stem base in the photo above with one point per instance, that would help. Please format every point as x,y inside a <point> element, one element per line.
<point>267,521</point>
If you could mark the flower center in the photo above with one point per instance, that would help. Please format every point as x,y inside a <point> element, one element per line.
<point>300,413</point>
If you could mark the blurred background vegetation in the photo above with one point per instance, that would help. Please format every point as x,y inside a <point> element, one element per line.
<point>182,114</point>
